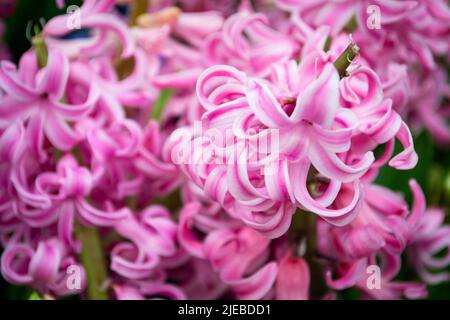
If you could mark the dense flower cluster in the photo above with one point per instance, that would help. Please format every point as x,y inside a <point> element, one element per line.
<point>218,149</point>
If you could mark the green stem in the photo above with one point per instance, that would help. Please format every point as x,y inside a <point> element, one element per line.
<point>160,103</point>
<point>351,25</point>
<point>41,50</point>
<point>327,44</point>
<point>34,296</point>
<point>346,58</point>
<point>93,261</point>
<point>303,231</point>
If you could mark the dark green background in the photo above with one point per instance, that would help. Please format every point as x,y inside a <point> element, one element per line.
<point>431,172</point>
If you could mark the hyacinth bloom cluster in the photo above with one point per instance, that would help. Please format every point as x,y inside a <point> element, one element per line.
<point>217,150</point>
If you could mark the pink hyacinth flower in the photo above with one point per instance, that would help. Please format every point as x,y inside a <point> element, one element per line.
<point>34,96</point>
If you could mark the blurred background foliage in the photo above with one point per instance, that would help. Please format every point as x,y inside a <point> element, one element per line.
<point>432,172</point>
